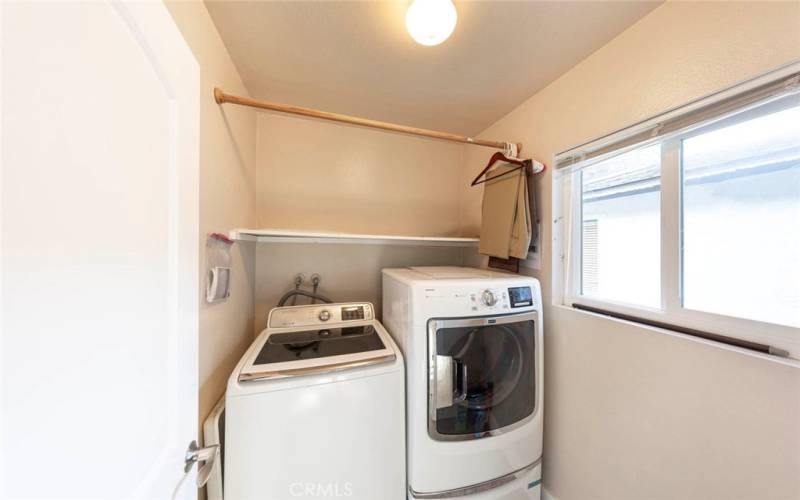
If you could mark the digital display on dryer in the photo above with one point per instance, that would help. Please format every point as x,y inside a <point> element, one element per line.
<point>520,296</point>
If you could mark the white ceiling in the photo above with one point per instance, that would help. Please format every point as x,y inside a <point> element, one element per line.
<point>356,57</point>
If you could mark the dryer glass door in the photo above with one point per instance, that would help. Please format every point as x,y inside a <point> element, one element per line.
<point>482,377</point>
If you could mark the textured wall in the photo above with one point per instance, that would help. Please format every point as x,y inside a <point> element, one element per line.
<point>349,272</point>
<point>631,413</point>
<point>320,175</point>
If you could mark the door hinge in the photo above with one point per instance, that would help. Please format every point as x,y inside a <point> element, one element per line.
<point>207,455</point>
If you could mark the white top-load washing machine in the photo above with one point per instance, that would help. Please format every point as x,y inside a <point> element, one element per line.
<point>315,408</point>
<point>472,341</point>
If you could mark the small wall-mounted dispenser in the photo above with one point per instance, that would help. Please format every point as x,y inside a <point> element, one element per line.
<point>218,285</point>
<point>218,267</point>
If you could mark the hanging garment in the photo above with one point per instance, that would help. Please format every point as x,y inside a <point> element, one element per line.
<point>521,232</point>
<point>532,207</point>
<point>505,221</point>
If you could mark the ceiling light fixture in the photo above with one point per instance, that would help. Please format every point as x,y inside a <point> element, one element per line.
<point>431,22</point>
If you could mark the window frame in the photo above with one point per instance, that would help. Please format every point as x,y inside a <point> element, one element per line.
<point>568,271</point>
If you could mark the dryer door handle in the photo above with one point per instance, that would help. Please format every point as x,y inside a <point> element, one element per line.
<point>460,374</point>
<point>444,381</point>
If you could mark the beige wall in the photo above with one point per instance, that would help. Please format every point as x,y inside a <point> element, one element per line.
<point>631,413</point>
<point>227,199</point>
<point>321,175</point>
<point>350,272</point>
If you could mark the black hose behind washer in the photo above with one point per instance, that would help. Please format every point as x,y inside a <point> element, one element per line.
<point>292,293</point>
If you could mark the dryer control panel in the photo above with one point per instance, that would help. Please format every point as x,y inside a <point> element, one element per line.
<point>520,296</point>
<point>489,298</point>
<point>508,297</point>
<point>320,314</point>
<point>478,299</point>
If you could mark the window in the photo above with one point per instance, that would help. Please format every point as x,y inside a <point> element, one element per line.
<point>741,208</point>
<point>620,197</point>
<point>692,219</point>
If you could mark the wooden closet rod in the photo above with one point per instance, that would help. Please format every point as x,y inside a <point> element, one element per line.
<point>221,97</point>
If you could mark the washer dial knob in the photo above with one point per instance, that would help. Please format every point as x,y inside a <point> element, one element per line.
<point>488,298</point>
<point>324,315</point>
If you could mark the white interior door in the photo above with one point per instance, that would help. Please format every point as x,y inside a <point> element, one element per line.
<point>99,251</point>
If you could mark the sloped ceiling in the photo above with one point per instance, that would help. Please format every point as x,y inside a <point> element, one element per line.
<point>356,57</point>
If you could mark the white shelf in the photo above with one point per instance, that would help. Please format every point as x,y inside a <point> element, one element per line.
<point>297,236</point>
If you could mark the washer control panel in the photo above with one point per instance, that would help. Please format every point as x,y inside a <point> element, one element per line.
<point>350,313</point>
<point>319,314</point>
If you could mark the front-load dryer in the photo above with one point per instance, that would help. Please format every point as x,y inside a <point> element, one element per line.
<point>472,341</point>
<point>316,408</point>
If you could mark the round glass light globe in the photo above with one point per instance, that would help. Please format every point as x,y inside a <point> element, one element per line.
<point>431,22</point>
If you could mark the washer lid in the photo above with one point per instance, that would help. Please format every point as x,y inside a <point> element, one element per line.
<point>310,351</point>
<point>311,344</point>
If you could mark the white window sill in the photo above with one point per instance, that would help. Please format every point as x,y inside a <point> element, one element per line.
<point>740,350</point>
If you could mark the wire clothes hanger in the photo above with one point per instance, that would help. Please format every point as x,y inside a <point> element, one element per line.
<point>507,156</point>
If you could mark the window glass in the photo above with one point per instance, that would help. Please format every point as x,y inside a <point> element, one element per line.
<point>741,219</point>
<point>621,228</point>
<point>494,377</point>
